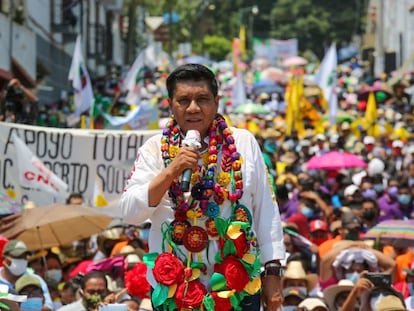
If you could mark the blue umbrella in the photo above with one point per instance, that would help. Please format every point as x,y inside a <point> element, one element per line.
<point>269,89</point>
<point>262,83</point>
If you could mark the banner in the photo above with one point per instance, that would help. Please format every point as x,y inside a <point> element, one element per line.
<point>79,158</point>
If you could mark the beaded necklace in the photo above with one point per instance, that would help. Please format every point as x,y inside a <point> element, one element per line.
<point>207,186</point>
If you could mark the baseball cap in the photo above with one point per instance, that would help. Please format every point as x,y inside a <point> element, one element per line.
<point>397,144</point>
<point>350,190</point>
<point>15,248</point>
<point>369,140</point>
<point>318,224</point>
<point>294,291</point>
<point>312,303</point>
<point>26,280</point>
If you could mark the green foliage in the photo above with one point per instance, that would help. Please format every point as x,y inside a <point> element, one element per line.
<point>217,47</point>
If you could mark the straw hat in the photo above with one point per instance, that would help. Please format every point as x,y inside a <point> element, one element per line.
<point>294,270</point>
<point>145,305</point>
<point>312,303</point>
<point>332,291</point>
<point>390,303</point>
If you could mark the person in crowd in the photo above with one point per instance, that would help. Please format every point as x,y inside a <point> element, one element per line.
<point>318,231</point>
<point>389,205</point>
<point>93,292</point>
<point>155,191</point>
<point>365,296</point>
<point>349,259</point>
<point>406,200</point>
<point>14,259</point>
<point>20,104</point>
<point>293,296</point>
<point>30,286</point>
<point>336,295</point>
<point>296,276</point>
<point>369,214</point>
<point>69,292</point>
<point>75,198</point>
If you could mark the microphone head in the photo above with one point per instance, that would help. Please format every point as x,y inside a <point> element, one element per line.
<point>193,139</point>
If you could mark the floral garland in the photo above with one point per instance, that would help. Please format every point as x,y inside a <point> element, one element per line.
<point>237,264</point>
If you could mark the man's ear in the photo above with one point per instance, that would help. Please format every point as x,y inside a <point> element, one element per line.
<point>80,291</point>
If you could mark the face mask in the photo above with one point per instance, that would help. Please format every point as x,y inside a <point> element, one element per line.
<point>91,301</point>
<point>144,234</point>
<point>404,198</point>
<point>411,181</point>
<point>32,304</point>
<point>354,277</point>
<point>369,214</point>
<point>289,187</point>
<point>331,181</point>
<point>17,266</point>
<point>353,236</point>
<point>369,194</point>
<point>318,241</point>
<point>289,308</point>
<point>308,212</point>
<point>411,289</point>
<point>378,188</point>
<point>54,275</point>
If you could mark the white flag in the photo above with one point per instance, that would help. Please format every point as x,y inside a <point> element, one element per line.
<point>326,79</point>
<point>34,174</point>
<point>238,96</point>
<point>81,81</point>
<point>134,80</point>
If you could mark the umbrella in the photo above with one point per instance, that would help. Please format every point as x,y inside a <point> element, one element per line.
<point>294,61</point>
<point>394,232</point>
<point>263,83</point>
<point>251,108</point>
<point>381,94</point>
<point>274,74</point>
<point>268,89</point>
<point>335,160</point>
<point>53,225</point>
<point>8,205</point>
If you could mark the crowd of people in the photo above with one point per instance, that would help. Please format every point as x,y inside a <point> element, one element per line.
<point>325,213</point>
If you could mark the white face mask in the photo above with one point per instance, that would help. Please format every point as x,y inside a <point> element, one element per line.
<point>17,266</point>
<point>54,274</point>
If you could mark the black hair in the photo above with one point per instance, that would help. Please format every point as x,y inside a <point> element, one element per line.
<point>369,200</point>
<point>74,195</point>
<point>191,72</point>
<point>94,275</point>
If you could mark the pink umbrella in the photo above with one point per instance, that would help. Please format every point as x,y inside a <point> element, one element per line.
<point>294,61</point>
<point>335,160</point>
<point>273,74</point>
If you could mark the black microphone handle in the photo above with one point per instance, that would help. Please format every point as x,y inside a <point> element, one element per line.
<point>185,180</point>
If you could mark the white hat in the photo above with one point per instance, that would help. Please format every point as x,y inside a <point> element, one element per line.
<point>350,190</point>
<point>375,166</point>
<point>332,291</point>
<point>312,303</point>
<point>334,139</point>
<point>305,143</point>
<point>368,140</point>
<point>397,144</point>
<point>320,137</point>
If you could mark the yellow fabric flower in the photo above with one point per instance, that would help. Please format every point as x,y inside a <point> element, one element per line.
<point>204,157</point>
<point>223,179</point>
<point>173,151</point>
<point>194,178</point>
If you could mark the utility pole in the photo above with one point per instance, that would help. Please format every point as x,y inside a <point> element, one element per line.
<point>131,35</point>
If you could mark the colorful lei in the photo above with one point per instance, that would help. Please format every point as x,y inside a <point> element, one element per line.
<point>236,264</point>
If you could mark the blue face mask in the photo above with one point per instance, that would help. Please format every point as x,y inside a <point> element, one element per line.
<point>411,289</point>
<point>354,277</point>
<point>307,211</point>
<point>144,234</point>
<point>32,304</point>
<point>378,188</point>
<point>404,198</point>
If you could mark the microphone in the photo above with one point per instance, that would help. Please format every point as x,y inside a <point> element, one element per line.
<point>192,139</point>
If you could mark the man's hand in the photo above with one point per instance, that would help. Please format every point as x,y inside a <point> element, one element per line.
<point>272,298</point>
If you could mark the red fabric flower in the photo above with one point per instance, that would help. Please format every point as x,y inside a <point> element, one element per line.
<point>241,245</point>
<point>234,272</point>
<point>221,304</point>
<point>190,295</point>
<point>168,269</point>
<point>136,281</point>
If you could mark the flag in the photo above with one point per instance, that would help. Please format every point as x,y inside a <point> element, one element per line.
<point>236,55</point>
<point>33,174</point>
<point>242,37</point>
<point>137,118</point>
<point>99,199</point>
<point>134,80</point>
<point>326,79</point>
<point>371,116</point>
<point>238,95</point>
<point>81,82</point>
<point>294,104</point>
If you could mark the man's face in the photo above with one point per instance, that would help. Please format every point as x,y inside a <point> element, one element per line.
<point>95,287</point>
<point>76,201</point>
<point>194,106</point>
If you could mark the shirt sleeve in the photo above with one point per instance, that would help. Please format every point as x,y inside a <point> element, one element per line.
<point>134,200</point>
